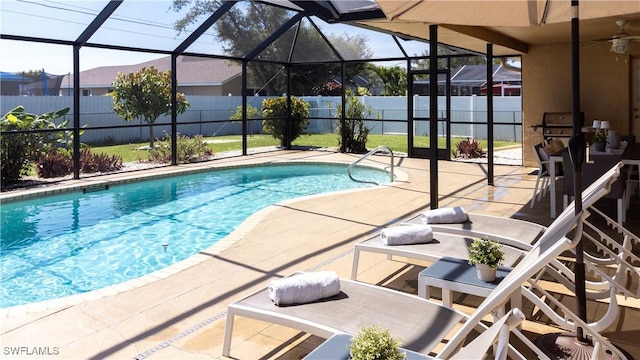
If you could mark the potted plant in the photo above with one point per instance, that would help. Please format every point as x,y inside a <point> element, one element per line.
<point>486,255</point>
<point>600,140</point>
<point>375,343</point>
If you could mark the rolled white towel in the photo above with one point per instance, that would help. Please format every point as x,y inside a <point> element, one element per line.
<point>406,235</point>
<point>304,288</point>
<point>447,215</point>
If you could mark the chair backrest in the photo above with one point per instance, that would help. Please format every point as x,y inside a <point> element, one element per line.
<point>602,186</point>
<point>536,152</point>
<point>550,245</point>
<point>631,139</point>
<point>591,172</point>
<point>543,152</point>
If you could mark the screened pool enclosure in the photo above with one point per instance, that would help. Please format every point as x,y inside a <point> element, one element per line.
<point>227,57</point>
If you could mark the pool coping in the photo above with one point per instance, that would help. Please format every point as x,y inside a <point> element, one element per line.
<point>241,230</point>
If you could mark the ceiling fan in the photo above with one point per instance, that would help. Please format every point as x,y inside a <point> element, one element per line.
<point>620,42</point>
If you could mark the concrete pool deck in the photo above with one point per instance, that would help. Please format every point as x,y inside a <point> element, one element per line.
<point>181,314</point>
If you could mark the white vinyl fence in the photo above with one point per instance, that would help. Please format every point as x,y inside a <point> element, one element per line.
<point>388,114</point>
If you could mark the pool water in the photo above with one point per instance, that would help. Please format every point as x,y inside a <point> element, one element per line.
<point>73,243</point>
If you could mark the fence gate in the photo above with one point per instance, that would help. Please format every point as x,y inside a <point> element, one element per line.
<point>419,115</point>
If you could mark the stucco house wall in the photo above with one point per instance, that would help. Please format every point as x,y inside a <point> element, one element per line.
<point>605,82</point>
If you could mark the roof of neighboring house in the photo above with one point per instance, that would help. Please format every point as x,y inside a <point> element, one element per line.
<point>476,75</point>
<point>191,71</point>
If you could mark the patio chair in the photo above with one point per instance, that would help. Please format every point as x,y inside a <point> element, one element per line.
<point>633,173</point>
<point>451,242</point>
<point>592,171</point>
<point>543,178</point>
<point>362,305</point>
<point>337,346</point>
<point>518,236</point>
<point>480,225</point>
<point>611,262</point>
<point>453,239</point>
<point>559,313</point>
<point>633,184</point>
<point>611,274</point>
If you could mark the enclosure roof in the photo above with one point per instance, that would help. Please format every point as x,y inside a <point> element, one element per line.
<point>478,74</point>
<point>200,28</point>
<point>335,10</point>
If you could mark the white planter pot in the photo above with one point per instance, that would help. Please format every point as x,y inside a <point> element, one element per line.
<point>486,272</point>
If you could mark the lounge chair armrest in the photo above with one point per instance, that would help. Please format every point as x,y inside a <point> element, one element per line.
<point>498,333</point>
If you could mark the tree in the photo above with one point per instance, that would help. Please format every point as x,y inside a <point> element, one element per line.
<point>248,24</point>
<point>145,94</point>
<point>351,47</point>
<point>31,75</point>
<point>239,31</point>
<point>393,78</point>
<point>456,62</point>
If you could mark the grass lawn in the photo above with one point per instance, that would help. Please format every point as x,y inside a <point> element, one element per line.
<point>397,143</point>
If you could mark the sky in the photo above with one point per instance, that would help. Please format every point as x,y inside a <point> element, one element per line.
<point>134,24</point>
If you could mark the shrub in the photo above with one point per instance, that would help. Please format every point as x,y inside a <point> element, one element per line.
<point>468,149</point>
<point>15,157</point>
<point>60,163</point>
<point>353,130</point>
<point>375,343</point>
<point>188,149</point>
<point>54,164</point>
<point>90,163</point>
<point>330,88</point>
<point>18,149</point>
<point>252,113</point>
<point>275,115</point>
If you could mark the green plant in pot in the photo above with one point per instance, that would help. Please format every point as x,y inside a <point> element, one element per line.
<point>600,139</point>
<point>375,343</point>
<point>486,255</point>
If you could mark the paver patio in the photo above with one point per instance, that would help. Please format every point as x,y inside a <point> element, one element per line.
<point>180,313</point>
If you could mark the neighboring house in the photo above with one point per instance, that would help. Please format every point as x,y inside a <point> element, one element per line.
<point>196,76</point>
<point>472,80</point>
<point>373,87</point>
<point>16,84</point>
<point>10,84</point>
<point>50,87</point>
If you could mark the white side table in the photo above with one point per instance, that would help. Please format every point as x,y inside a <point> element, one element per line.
<point>337,348</point>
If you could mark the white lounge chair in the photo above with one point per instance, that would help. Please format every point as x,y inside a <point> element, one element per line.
<point>517,235</point>
<point>523,272</point>
<point>611,261</point>
<point>421,324</point>
<point>453,243</point>
<point>454,239</point>
<point>611,265</point>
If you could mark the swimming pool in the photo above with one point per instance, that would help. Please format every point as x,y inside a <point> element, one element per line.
<point>73,243</point>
